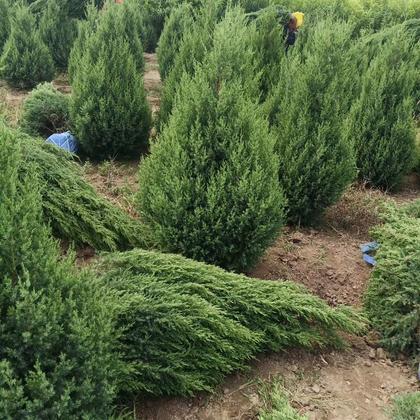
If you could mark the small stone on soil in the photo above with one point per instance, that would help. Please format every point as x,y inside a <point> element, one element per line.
<point>316,389</point>
<point>380,353</point>
<point>372,354</point>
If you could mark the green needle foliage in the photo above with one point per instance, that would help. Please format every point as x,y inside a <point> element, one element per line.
<point>279,407</point>
<point>72,207</point>
<point>108,108</point>
<point>57,333</point>
<point>195,45</point>
<point>45,111</point>
<point>4,23</point>
<point>307,112</point>
<point>209,188</point>
<point>392,299</point>
<point>58,31</point>
<point>406,407</point>
<point>380,123</point>
<point>269,47</point>
<point>26,60</point>
<point>179,22</point>
<point>168,350</point>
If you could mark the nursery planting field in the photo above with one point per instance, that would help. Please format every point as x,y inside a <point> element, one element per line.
<point>186,188</point>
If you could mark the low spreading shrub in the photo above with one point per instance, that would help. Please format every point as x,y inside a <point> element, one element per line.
<point>72,207</point>
<point>45,111</point>
<point>380,123</point>
<point>58,31</point>
<point>58,339</point>
<point>108,107</point>
<point>26,60</point>
<point>209,188</point>
<point>392,298</point>
<point>4,23</point>
<point>307,112</point>
<point>256,316</point>
<point>278,406</point>
<point>406,407</point>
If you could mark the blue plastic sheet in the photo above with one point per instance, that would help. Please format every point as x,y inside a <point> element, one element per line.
<point>65,141</point>
<point>367,249</point>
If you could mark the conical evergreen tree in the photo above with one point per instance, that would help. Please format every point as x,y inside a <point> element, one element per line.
<point>209,188</point>
<point>108,108</point>
<point>381,123</point>
<point>26,60</point>
<point>58,31</point>
<point>194,47</point>
<point>57,332</point>
<point>179,21</point>
<point>4,23</point>
<point>316,163</point>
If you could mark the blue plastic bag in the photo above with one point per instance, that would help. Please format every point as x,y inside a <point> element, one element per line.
<point>65,141</point>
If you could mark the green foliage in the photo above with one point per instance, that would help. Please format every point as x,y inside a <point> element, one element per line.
<point>57,336</point>
<point>392,298</point>
<point>279,407</point>
<point>73,8</point>
<point>380,123</point>
<point>26,60</point>
<point>406,407</point>
<point>4,23</point>
<point>252,315</point>
<point>108,108</point>
<point>45,111</point>
<point>58,32</point>
<point>72,207</point>
<point>209,190</point>
<point>269,47</point>
<point>179,21</point>
<point>193,49</point>
<point>307,110</point>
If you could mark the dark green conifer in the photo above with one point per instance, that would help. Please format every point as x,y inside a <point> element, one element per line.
<point>26,60</point>
<point>57,332</point>
<point>58,31</point>
<point>108,109</point>
<point>316,162</point>
<point>4,23</point>
<point>381,124</point>
<point>179,22</point>
<point>208,190</point>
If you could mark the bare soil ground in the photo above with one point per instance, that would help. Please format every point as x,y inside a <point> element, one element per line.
<point>357,383</point>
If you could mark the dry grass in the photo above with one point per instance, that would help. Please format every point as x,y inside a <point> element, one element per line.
<point>116,181</point>
<point>357,211</point>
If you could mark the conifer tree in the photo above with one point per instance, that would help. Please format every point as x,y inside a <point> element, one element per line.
<point>4,23</point>
<point>57,333</point>
<point>108,108</point>
<point>381,123</point>
<point>179,21</point>
<point>193,49</point>
<point>316,162</point>
<point>26,60</point>
<point>209,188</point>
<point>58,31</point>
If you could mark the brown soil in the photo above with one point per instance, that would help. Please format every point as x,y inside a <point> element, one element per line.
<point>325,386</point>
<point>328,263</point>
<point>152,82</point>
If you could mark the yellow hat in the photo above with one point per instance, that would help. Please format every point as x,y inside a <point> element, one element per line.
<point>299,18</point>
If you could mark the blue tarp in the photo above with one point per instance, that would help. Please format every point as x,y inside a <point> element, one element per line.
<point>367,249</point>
<point>64,140</point>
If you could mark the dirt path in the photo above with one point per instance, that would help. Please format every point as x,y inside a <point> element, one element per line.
<point>330,386</point>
